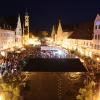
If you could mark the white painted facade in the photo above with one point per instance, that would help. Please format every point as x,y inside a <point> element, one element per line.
<point>7,39</point>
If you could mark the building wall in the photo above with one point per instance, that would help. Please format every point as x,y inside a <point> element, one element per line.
<point>7,39</point>
<point>96,39</point>
<point>85,47</point>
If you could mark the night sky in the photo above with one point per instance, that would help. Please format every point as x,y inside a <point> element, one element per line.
<point>45,13</point>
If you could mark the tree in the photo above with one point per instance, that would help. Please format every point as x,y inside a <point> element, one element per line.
<point>86,93</point>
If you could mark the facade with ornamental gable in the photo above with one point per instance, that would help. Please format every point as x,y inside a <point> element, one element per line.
<point>85,47</point>
<point>58,36</point>
<point>10,38</point>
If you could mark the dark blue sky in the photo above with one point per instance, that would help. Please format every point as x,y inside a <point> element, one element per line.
<point>45,13</point>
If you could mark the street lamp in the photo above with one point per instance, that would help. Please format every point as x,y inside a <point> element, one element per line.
<point>3,53</point>
<point>1,97</point>
<point>98,97</point>
<point>98,60</point>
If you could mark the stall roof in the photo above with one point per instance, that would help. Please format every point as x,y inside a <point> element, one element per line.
<point>54,65</point>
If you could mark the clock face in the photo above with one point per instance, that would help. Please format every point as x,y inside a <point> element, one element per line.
<point>97,23</point>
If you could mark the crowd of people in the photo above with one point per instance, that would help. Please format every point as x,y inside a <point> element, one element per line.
<point>13,62</point>
<point>10,64</point>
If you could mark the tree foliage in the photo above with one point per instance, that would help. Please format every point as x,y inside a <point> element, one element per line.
<point>86,93</point>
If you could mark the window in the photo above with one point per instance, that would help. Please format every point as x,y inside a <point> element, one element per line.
<point>95,26</point>
<point>99,46</point>
<point>95,46</point>
<point>99,37</point>
<point>95,36</point>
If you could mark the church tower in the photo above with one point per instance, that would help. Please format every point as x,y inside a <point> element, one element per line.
<point>59,31</point>
<point>18,35</point>
<point>26,28</point>
<point>96,37</point>
<point>59,35</point>
<point>19,28</point>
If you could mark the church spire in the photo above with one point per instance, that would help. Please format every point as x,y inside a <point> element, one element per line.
<point>53,33</point>
<point>18,37</point>
<point>59,31</point>
<point>18,28</point>
<point>98,15</point>
<point>97,18</point>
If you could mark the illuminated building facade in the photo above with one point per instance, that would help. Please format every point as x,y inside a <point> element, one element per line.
<point>96,38</point>
<point>58,36</point>
<point>18,37</point>
<point>7,39</point>
<point>84,47</point>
